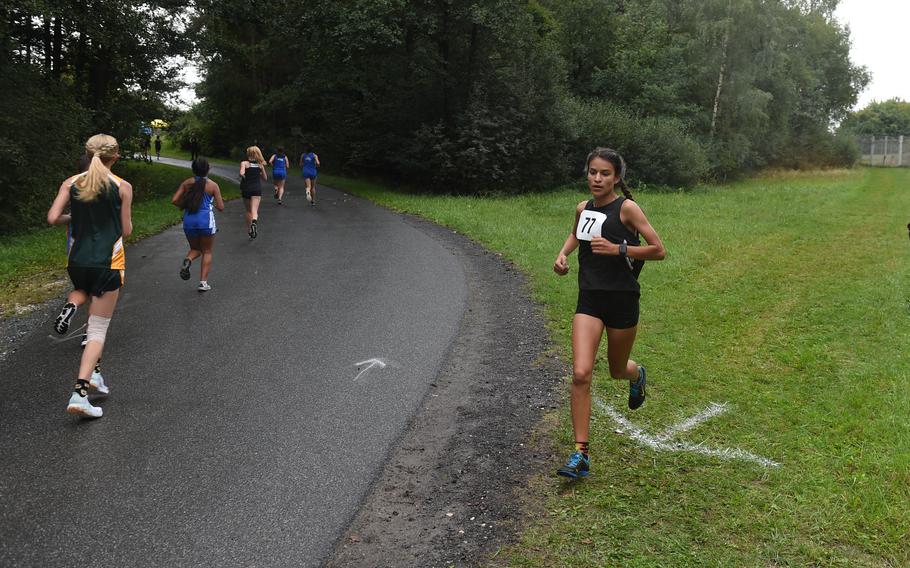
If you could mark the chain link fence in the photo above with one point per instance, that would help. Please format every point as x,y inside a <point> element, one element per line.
<point>889,151</point>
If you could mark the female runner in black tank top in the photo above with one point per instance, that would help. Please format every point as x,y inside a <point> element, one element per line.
<point>252,171</point>
<point>606,232</point>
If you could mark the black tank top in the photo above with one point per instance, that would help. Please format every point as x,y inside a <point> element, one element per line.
<point>251,177</point>
<point>603,272</point>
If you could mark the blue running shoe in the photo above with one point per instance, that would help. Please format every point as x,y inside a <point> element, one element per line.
<point>637,390</point>
<point>577,466</point>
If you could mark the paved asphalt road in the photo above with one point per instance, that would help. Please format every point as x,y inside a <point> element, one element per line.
<point>235,433</point>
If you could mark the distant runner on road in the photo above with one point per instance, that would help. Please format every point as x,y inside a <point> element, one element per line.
<point>158,147</point>
<point>252,171</point>
<point>309,168</point>
<point>279,163</point>
<point>101,205</point>
<point>610,256</point>
<point>197,196</point>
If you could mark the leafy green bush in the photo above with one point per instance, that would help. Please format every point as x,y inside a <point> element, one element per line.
<point>658,150</point>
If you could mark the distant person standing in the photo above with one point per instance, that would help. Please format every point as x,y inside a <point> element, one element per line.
<point>194,148</point>
<point>146,146</point>
<point>309,168</point>
<point>252,172</point>
<point>101,205</point>
<point>158,147</point>
<point>279,162</point>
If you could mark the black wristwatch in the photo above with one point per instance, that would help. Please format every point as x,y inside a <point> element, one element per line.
<point>622,249</point>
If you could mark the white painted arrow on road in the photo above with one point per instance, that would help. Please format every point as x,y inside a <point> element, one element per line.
<point>662,442</point>
<point>369,364</point>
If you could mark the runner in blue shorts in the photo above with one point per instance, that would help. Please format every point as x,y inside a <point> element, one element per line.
<point>279,163</point>
<point>197,196</point>
<point>309,167</point>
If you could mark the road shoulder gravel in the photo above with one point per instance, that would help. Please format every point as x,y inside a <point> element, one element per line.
<point>453,491</point>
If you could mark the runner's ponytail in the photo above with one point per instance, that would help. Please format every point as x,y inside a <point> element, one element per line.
<point>192,199</point>
<point>96,178</point>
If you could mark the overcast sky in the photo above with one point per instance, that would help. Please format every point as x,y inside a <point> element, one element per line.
<point>878,29</point>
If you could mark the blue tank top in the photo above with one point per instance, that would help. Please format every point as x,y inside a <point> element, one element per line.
<point>202,219</point>
<point>309,162</point>
<point>280,165</point>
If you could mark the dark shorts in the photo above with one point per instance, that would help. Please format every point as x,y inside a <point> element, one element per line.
<point>95,281</point>
<point>191,232</point>
<point>278,176</point>
<point>253,193</point>
<point>618,310</point>
<point>309,175</point>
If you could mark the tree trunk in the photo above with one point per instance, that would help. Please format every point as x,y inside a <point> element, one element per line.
<point>723,68</point>
<point>47,46</point>
<point>58,48</point>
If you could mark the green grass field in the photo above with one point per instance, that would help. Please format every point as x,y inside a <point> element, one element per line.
<point>785,297</point>
<point>33,265</point>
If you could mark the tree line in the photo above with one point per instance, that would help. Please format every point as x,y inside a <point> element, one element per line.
<point>492,95</point>
<point>469,96</point>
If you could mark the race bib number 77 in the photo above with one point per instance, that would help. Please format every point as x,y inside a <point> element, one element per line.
<point>589,225</point>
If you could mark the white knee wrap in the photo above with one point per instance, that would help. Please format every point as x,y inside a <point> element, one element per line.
<point>97,328</point>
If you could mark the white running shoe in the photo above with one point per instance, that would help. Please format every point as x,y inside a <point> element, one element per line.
<point>204,286</point>
<point>309,196</point>
<point>80,405</point>
<point>97,383</point>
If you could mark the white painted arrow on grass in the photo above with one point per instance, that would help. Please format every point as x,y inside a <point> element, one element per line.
<point>662,442</point>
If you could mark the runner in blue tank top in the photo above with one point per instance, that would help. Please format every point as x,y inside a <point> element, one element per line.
<point>279,162</point>
<point>309,168</point>
<point>606,232</point>
<point>197,196</point>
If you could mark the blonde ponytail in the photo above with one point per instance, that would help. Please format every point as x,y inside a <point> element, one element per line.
<point>99,147</point>
<point>254,154</point>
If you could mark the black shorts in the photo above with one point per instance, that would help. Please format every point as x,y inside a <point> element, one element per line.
<point>95,281</point>
<point>251,193</point>
<point>618,310</point>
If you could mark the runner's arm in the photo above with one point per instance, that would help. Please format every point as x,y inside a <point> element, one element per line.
<point>219,201</point>
<point>561,266</point>
<point>632,215</point>
<point>178,195</point>
<point>55,215</point>
<point>316,156</point>
<point>126,208</point>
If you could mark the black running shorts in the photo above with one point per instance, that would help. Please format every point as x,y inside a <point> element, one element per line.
<point>95,281</point>
<point>251,193</point>
<point>618,310</point>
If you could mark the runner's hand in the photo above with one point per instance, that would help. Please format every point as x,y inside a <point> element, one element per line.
<point>600,245</point>
<point>561,266</point>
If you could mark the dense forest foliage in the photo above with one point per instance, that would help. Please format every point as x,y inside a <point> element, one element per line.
<point>479,95</point>
<point>72,68</point>
<point>450,95</point>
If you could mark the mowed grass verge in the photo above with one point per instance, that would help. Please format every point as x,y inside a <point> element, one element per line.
<point>33,265</point>
<point>785,297</point>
